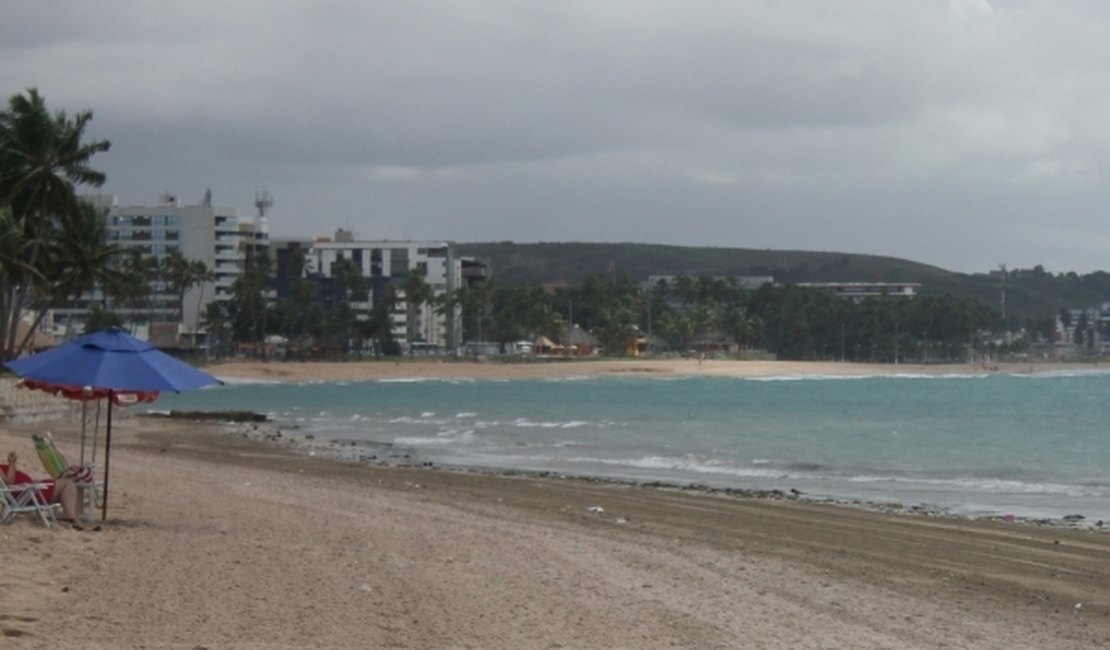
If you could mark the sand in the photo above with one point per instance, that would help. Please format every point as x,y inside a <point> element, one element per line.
<point>539,369</point>
<point>219,540</point>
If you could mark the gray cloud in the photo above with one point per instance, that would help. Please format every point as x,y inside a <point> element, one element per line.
<point>961,134</point>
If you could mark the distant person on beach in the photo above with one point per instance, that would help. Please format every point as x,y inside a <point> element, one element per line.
<point>63,490</point>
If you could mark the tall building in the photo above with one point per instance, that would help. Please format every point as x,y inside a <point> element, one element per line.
<point>216,236</point>
<point>387,265</point>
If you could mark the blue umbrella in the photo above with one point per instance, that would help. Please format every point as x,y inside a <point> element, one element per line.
<point>111,362</point>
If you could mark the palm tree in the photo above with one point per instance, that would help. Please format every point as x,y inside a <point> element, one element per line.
<point>417,293</point>
<point>249,302</point>
<point>130,288</point>
<point>99,319</point>
<point>474,302</point>
<point>181,275</point>
<point>79,261</point>
<point>380,325</point>
<point>216,323</point>
<point>13,251</point>
<point>42,158</point>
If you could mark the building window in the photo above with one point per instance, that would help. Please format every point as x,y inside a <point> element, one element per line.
<point>375,261</point>
<point>398,262</point>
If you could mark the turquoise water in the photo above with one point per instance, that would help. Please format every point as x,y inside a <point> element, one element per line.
<point>1030,445</point>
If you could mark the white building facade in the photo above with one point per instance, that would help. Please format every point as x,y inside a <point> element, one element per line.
<point>860,291</point>
<point>388,264</point>
<point>216,236</point>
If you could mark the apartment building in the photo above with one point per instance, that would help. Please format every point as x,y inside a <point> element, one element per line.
<point>860,291</point>
<point>386,265</point>
<point>216,236</point>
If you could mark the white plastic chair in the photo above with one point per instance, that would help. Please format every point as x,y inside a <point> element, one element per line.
<point>26,497</point>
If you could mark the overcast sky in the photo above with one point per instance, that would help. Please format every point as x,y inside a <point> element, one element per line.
<point>960,133</point>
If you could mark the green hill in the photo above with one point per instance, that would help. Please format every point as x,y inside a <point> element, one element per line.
<point>1029,293</point>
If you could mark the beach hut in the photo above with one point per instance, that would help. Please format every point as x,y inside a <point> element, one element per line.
<point>582,343</point>
<point>712,343</point>
<point>641,343</point>
<point>544,345</point>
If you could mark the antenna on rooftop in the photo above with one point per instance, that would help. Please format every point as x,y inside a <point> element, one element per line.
<point>263,202</point>
<point>207,197</point>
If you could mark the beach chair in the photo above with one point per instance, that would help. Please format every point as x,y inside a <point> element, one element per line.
<point>56,466</point>
<point>25,497</point>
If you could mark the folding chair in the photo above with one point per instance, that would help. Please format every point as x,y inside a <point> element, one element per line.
<point>56,466</point>
<point>25,497</point>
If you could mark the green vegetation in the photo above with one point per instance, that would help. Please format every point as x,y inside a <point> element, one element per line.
<point>565,264</point>
<point>706,313</point>
<point>52,244</point>
<point>1031,294</point>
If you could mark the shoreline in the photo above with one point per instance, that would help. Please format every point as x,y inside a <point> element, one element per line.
<point>1063,516</point>
<point>387,455</point>
<point>429,368</point>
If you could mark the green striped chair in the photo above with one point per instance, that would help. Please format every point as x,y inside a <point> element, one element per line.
<point>56,466</point>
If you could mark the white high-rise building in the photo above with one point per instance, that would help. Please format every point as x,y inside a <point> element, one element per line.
<point>388,263</point>
<point>216,236</point>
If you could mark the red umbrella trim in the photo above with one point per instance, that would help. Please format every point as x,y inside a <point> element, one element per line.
<point>85,393</point>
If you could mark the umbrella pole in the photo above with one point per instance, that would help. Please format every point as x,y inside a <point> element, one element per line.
<point>107,458</point>
<point>96,432</point>
<point>84,423</point>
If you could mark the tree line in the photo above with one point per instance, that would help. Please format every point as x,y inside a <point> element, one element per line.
<point>789,321</point>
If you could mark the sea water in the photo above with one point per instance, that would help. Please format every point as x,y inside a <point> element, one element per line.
<point>1033,445</point>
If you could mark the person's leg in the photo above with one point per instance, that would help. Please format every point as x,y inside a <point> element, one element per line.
<point>65,493</point>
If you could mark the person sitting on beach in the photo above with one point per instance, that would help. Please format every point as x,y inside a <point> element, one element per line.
<point>62,490</point>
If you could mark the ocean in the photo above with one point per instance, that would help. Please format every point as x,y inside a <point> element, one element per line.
<point>1033,446</point>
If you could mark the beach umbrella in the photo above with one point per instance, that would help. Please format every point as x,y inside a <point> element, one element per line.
<point>108,364</point>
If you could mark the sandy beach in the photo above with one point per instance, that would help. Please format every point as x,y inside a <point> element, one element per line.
<point>218,539</point>
<point>538,369</point>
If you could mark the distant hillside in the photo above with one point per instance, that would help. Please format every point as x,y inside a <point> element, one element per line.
<point>570,263</point>
<point>1030,293</point>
